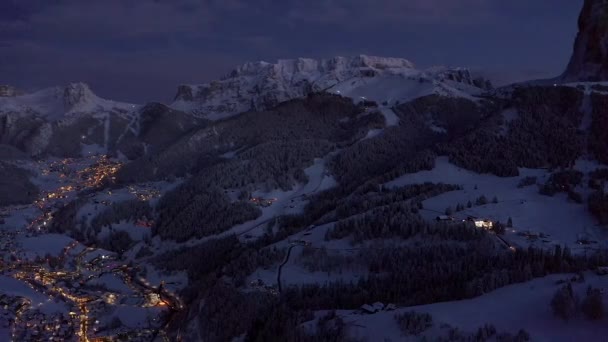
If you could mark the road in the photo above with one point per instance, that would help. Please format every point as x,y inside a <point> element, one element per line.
<point>285,203</point>
<point>68,280</point>
<point>283,264</point>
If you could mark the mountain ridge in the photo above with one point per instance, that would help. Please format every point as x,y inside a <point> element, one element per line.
<point>261,85</point>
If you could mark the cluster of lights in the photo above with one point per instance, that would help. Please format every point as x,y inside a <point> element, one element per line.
<point>50,283</point>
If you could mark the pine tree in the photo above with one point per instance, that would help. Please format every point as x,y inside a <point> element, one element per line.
<point>592,305</point>
<point>564,303</point>
<point>482,200</point>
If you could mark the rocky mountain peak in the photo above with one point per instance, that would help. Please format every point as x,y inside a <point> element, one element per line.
<point>9,91</point>
<point>261,85</point>
<point>589,60</point>
<point>77,93</point>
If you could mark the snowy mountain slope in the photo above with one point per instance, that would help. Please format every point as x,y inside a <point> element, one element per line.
<point>61,102</point>
<point>261,85</point>
<point>73,121</point>
<point>519,306</point>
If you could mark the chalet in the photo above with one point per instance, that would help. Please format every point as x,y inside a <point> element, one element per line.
<point>366,308</point>
<point>480,222</point>
<point>373,308</point>
<point>378,306</point>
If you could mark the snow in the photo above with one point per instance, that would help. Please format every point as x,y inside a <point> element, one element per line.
<point>14,287</point>
<point>136,317</point>
<point>381,79</point>
<point>287,202</point>
<point>111,282</point>
<point>389,115</point>
<point>92,150</point>
<point>40,245</point>
<point>61,102</point>
<point>5,334</point>
<point>508,115</point>
<point>520,306</point>
<point>373,133</point>
<point>387,88</point>
<point>136,233</point>
<point>563,221</point>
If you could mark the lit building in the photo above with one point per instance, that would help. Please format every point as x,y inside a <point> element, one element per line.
<point>485,224</point>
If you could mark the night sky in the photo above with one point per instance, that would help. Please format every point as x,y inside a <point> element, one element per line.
<point>140,50</point>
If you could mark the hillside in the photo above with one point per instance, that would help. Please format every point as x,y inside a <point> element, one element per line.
<point>341,199</point>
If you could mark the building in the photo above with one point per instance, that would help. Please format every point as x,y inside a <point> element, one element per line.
<point>481,223</point>
<point>366,308</point>
<point>390,307</point>
<point>373,308</point>
<point>263,202</point>
<point>485,224</point>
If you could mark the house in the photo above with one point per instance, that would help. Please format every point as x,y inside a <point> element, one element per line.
<point>390,307</point>
<point>370,309</point>
<point>378,306</point>
<point>483,223</point>
<point>366,308</point>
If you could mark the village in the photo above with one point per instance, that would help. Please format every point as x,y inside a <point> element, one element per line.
<point>76,291</point>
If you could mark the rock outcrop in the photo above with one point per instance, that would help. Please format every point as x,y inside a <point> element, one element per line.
<point>261,85</point>
<point>9,91</point>
<point>77,93</point>
<point>589,60</point>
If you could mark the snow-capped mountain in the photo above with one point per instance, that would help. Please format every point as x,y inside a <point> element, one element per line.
<point>59,103</point>
<point>589,60</point>
<point>72,121</point>
<point>261,85</point>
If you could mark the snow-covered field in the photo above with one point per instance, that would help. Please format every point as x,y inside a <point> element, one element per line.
<point>520,306</point>
<point>286,202</point>
<point>112,282</point>
<point>41,245</point>
<point>564,222</point>
<point>14,287</point>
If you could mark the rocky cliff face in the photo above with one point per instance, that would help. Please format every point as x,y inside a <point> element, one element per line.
<point>589,60</point>
<point>8,91</point>
<point>261,85</point>
<point>77,93</point>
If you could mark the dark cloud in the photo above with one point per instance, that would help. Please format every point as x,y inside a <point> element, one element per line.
<point>140,50</point>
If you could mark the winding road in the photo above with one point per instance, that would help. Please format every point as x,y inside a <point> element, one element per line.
<point>283,264</point>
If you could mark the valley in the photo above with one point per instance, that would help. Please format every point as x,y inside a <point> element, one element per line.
<point>60,288</point>
<point>359,198</point>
